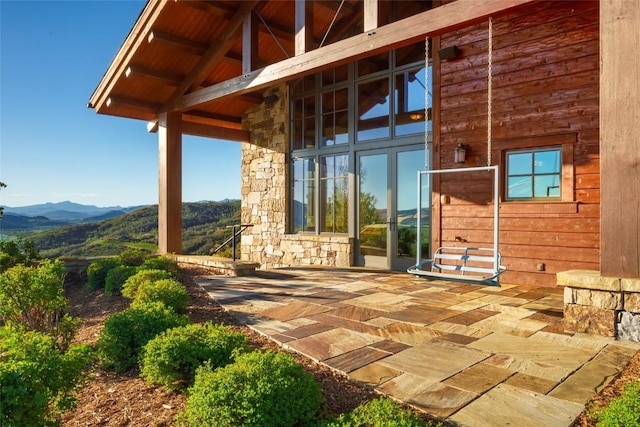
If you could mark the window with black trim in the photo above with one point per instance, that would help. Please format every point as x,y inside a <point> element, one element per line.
<point>534,174</point>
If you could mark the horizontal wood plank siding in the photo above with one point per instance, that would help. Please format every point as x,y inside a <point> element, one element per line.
<point>545,82</point>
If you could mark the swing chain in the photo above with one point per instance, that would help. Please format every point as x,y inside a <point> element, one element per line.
<point>489,89</point>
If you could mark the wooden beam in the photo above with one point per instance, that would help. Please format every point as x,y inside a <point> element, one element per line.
<point>198,129</point>
<point>169,78</point>
<point>212,119</point>
<point>619,148</point>
<point>131,45</point>
<point>170,183</point>
<point>192,46</point>
<point>249,43</point>
<point>303,26</point>
<point>371,10</point>
<point>436,21</point>
<point>213,54</point>
<point>130,102</point>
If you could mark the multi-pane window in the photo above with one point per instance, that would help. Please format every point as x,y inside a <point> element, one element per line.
<point>374,102</point>
<point>304,123</point>
<point>335,117</point>
<point>373,110</point>
<point>335,193</point>
<point>304,195</point>
<point>533,174</point>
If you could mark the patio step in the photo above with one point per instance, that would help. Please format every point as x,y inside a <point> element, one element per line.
<point>220,265</point>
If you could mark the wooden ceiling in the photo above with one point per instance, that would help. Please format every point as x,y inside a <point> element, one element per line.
<point>180,52</point>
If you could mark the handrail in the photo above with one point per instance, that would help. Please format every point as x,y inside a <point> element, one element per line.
<point>232,239</point>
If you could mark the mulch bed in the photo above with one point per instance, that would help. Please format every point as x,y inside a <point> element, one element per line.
<point>111,399</point>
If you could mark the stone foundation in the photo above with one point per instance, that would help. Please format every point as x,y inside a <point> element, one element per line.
<point>598,305</point>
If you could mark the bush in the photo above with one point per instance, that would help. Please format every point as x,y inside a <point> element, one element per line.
<point>171,358</point>
<point>16,252</point>
<point>97,272</point>
<point>116,278</point>
<point>169,292</point>
<point>33,296</point>
<point>125,333</point>
<point>133,283</point>
<point>260,389</point>
<point>161,263</point>
<point>132,257</point>
<point>37,380</point>
<point>381,412</point>
<point>623,411</point>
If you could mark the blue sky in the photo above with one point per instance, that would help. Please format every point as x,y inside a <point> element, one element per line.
<point>52,147</point>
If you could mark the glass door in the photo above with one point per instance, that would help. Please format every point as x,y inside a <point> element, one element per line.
<point>373,209</point>
<point>387,208</point>
<point>405,218</point>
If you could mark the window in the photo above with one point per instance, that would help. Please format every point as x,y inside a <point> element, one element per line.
<point>533,174</point>
<point>334,203</point>
<point>304,195</point>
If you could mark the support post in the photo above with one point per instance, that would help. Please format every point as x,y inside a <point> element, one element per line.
<point>619,148</point>
<point>170,183</point>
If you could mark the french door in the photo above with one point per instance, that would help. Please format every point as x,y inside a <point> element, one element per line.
<point>387,208</point>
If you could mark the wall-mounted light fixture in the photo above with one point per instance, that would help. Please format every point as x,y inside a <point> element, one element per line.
<point>416,116</point>
<point>460,153</point>
<point>451,52</point>
<point>270,99</point>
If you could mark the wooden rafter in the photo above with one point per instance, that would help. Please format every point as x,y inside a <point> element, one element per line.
<point>401,33</point>
<point>148,17</point>
<point>214,53</point>
<point>169,78</point>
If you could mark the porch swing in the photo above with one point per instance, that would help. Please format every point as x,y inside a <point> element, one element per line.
<point>467,264</point>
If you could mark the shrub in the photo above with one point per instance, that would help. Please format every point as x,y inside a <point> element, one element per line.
<point>131,285</point>
<point>33,296</point>
<point>125,333</point>
<point>260,389</point>
<point>116,278</point>
<point>381,412</point>
<point>37,380</point>
<point>173,294</point>
<point>97,272</point>
<point>161,263</point>
<point>16,252</point>
<point>623,411</point>
<point>171,358</point>
<point>132,257</point>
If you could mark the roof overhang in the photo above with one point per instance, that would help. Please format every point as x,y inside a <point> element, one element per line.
<point>211,60</point>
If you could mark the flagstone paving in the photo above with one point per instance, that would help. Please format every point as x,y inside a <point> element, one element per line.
<point>475,355</point>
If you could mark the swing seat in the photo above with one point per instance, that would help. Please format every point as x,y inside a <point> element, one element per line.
<point>453,263</point>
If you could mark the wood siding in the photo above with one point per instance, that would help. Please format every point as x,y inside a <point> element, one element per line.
<point>545,83</point>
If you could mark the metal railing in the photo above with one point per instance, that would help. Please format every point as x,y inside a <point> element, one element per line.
<point>237,230</point>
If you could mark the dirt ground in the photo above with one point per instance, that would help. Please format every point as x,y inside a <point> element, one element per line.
<point>111,399</point>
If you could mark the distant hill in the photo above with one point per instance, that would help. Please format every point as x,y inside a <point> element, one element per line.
<point>204,227</point>
<point>69,212</point>
<point>21,222</point>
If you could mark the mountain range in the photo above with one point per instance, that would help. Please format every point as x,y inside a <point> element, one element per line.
<point>48,215</point>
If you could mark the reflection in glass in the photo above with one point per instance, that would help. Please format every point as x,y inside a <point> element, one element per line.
<point>409,163</point>
<point>303,123</point>
<point>335,196</point>
<point>372,205</point>
<point>533,174</point>
<point>409,102</point>
<point>373,110</point>
<point>335,117</point>
<point>303,195</point>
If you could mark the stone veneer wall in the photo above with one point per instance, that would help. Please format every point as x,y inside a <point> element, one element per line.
<point>597,305</point>
<point>264,193</point>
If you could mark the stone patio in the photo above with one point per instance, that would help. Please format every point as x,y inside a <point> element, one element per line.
<point>475,355</point>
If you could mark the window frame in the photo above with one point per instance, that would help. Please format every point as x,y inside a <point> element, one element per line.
<point>565,143</point>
